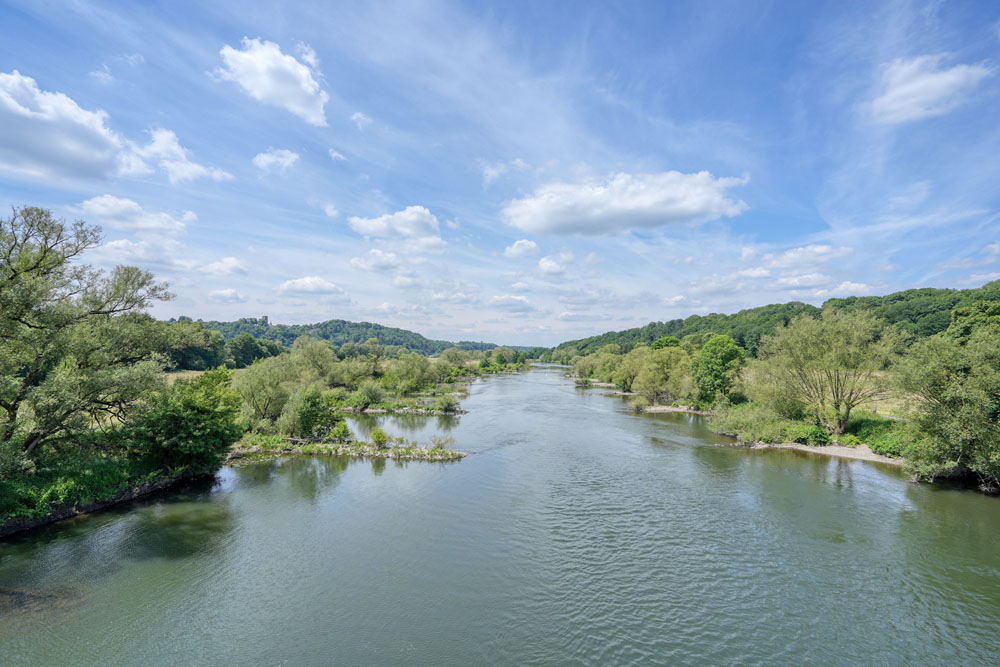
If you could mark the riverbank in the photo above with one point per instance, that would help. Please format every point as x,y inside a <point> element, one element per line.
<point>687,409</point>
<point>859,453</point>
<point>424,412</point>
<point>69,511</point>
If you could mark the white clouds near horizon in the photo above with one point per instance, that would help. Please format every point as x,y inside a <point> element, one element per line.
<point>625,202</point>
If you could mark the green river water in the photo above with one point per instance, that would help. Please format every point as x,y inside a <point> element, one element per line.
<point>573,533</point>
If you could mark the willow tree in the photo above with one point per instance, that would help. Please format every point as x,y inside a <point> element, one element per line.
<point>833,364</point>
<point>76,349</point>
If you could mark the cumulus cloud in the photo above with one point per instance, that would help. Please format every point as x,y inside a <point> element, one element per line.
<point>555,264</point>
<point>521,248</point>
<point>173,158</point>
<point>226,266</point>
<point>331,210</point>
<point>226,296</point>
<point>336,155</point>
<point>920,87</point>
<point>625,202</point>
<point>45,135</point>
<point>280,159</point>
<point>309,285</point>
<point>361,120</point>
<point>802,280</point>
<point>275,78</point>
<point>159,253</point>
<point>376,260</point>
<point>415,225</point>
<point>125,214</point>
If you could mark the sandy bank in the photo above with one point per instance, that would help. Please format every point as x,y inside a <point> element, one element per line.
<point>860,453</point>
<point>676,408</point>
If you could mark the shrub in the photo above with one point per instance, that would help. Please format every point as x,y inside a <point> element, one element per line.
<point>446,403</point>
<point>379,438</point>
<point>442,442</point>
<point>192,423</point>
<point>848,440</point>
<point>339,433</point>
<point>880,434</point>
<point>751,422</point>
<point>368,394</point>
<point>639,403</point>
<point>811,434</point>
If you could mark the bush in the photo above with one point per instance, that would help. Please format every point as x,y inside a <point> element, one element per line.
<point>191,424</point>
<point>368,394</point>
<point>811,434</point>
<point>379,438</point>
<point>446,403</point>
<point>751,422</point>
<point>848,440</point>
<point>339,433</point>
<point>639,403</point>
<point>880,434</point>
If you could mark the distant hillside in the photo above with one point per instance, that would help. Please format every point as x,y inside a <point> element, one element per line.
<point>338,332</point>
<point>922,312</point>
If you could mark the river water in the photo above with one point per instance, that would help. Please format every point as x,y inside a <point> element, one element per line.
<point>573,533</point>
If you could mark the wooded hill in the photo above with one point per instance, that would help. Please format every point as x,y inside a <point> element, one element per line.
<point>338,332</point>
<point>922,312</point>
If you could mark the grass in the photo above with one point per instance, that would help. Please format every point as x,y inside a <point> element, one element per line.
<point>256,443</point>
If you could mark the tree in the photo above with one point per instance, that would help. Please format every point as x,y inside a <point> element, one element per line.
<point>630,367</point>
<point>264,388</point>
<point>716,366</point>
<point>192,423</point>
<point>75,348</point>
<point>956,420</point>
<point>665,341</point>
<point>666,374</point>
<point>832,364</point>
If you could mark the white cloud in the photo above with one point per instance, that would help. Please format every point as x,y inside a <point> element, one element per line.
<point>275,78</point>
<point>802,280</point>
<point>511,302</point>
<point>336,155</point>
<point>103,76</point>
<point>555,264</point>
<point>281,159</point>
<point>755,272</point>
<point>521,248</point>
<point>805,257</point>
<point>493,171</point>
<point>846,288</point>
<point>331,210</point>
<point>625,202</point>
<point>454,297</point>
<point>919,87</point>
<point>308,55</point>
<point>411,222</point>
<point>309,285</point>
<point>126,214</point>
<point>226,296</point>
<point>173,159</point>
<point>376,260</point>
<point>226,266</point>
<point>361,120</point>
<point>159,253</point>
<point>45,135</point>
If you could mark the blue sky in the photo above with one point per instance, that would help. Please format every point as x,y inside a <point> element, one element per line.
<point>524,172</point>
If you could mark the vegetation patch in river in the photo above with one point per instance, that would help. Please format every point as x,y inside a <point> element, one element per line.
<point>381,447</point>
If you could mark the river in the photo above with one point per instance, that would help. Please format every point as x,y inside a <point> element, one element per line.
<point>573,533</point>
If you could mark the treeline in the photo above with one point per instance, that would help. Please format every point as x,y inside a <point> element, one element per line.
<point>819,379</point>
<point>920,312</point>
<point>337,332</point>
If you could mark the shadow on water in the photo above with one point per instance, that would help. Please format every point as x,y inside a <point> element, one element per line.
<point>310,476</point>
<point>418,427</point>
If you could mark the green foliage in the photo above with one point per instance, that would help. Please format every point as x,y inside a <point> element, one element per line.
<point>75,348</point>
<point>337,332</point>
<point>809,434</point>
<point>956,420</point>
<point>446,403</point>
<point>244,349</point>
<point>665,341</point>
<point>369,393</point>
<point>832,364</point>
<point>264,388</point>
<point>967,319</point>
<point>339,433</point>
<point>191,424</point>
<point>848,440</point>
<point>716,366</point>
<point>752,422</point>
<point>379,438</point>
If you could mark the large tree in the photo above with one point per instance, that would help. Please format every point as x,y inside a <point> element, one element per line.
<point>832,364</point>
<point>76,349</point>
